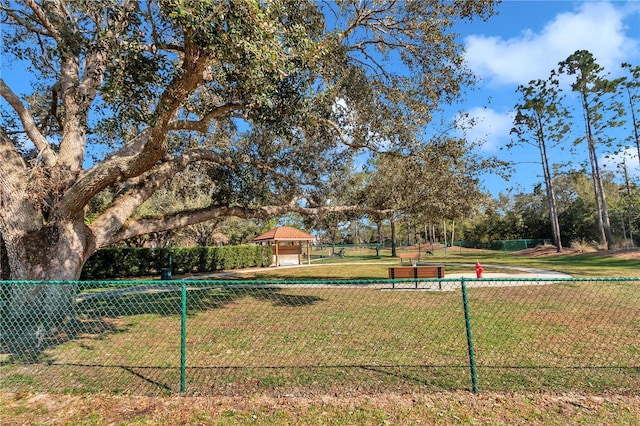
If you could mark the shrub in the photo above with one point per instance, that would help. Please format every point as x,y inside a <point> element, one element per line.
<point>583,246</point>
<point>125,262</point>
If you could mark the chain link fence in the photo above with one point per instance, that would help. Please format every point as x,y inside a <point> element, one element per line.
<point>304,338</point>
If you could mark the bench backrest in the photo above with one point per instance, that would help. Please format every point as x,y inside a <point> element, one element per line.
<point>416,271</point>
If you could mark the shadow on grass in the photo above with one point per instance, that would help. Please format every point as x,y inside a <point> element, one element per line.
<point>167,300</point>
<point>100,313</point>
<point>237,381</point>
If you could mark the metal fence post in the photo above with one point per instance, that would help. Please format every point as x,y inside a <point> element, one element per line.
<point>183,336</point>
<point>467,321</point>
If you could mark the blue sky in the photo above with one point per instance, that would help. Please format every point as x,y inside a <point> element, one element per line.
<point>525,41</point>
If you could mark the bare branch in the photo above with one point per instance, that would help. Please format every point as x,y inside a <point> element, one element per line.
<point>18,17</point>
<point>341,135</point>
<point>30,127</point>
<point>202,125</point>
<point>144,226</point>
<point>52,30</point>
<point>375,66</point>
<point>362,16</point>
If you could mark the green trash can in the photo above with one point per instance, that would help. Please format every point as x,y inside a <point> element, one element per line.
<point>165,274</point>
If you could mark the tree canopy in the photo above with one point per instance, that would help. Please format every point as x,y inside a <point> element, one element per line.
<point>268,96</point>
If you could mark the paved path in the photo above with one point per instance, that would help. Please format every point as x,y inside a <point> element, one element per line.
<point>518,272</point>
<point>519,276</point>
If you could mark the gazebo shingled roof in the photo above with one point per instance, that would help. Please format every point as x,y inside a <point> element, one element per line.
<point>284,233</point>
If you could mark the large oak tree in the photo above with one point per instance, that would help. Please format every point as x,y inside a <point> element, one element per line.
<point>268,95</point>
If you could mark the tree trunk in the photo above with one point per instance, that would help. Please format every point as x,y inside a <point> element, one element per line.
<point>32,304</point>
<point>551,198</point>
<point>603,203</point>
<point>379,234</point>
<point>605,214</point>
<point>427,236</point>
<point>453,231</point>
<point>634,121</point>
<point>56,251</point>
<point>601,200</point>
<point>392,224</point>
<point>4,262</point>
<point>444,232</point>
<point>627,205</point>
<point>596,194</point>
<point>555,223</point>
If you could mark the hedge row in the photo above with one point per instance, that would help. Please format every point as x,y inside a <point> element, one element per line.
<point>138,262</point>
<point>503,245</point>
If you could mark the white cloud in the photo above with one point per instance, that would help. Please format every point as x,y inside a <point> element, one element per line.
<point>489,127</point>
<point>594,26</point>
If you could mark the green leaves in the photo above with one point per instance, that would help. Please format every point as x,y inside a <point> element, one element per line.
<point>541,118</point>
<point>289,91</point>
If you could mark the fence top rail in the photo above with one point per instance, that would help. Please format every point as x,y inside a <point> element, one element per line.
<point>251,282</point>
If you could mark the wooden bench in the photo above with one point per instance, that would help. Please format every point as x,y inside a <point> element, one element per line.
<point>409,256</point>
<point>415,272</point>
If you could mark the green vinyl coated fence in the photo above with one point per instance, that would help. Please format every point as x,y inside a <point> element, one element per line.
<point>316,337</point>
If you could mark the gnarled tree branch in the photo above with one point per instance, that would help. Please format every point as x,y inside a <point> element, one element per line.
<point>147,151</point>
<point>30,127</point>
<point>112,219</point>
<point>134,228</point>
<point>202,125</point>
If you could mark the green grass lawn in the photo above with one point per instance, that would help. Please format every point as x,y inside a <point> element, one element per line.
<point>581,335</point>
<point>250,341</point>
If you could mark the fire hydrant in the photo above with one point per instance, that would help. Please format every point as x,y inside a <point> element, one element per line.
<point>479,270</point>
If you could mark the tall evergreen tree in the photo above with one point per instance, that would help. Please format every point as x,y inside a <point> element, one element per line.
<point>630,87</point>
<point>601,111</point>
<point>542,121</point>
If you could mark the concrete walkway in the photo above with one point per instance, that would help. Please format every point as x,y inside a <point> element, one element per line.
<point>519,277</point>
<point>518,272</point>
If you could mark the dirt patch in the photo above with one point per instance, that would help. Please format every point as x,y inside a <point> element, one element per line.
<point>623,254</point>
<point>549,250</point>
<point>444,408</point>
<point>543,251</point>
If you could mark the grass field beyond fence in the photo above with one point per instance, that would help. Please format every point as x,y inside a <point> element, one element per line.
<point>338,337</point>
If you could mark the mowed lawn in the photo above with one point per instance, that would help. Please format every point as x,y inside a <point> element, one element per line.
<point>354,353</point>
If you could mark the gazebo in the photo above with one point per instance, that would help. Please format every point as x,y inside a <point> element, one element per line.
<point>287,242</point>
